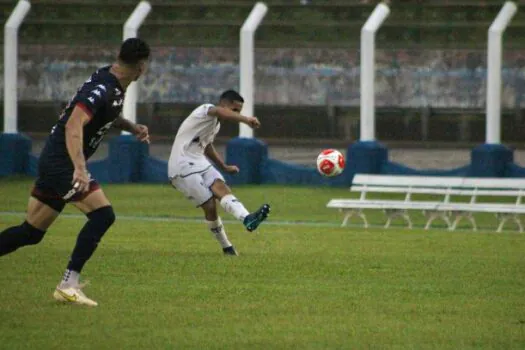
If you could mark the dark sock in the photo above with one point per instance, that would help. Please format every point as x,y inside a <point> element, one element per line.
<point>98,223</point>
<point>15,237</point>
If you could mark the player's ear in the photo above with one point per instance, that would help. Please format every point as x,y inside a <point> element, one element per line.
<point>144,66</point>
<point>141,68</point>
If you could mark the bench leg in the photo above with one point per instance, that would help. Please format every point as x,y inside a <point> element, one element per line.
<point>352,212</point>
<point>472,220</point>
<point>347,216</point>
<point>363,217</point>
<point>393,213</point>
<point>460,215</point>
<point>503,218</point>
<point>455,223</point>
<point>433,215</point>
<point>517,219</point>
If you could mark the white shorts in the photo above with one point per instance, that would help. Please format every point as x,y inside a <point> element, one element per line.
<point>196,186</point>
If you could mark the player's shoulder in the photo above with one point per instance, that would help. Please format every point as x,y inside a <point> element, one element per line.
<point>206,106</point>
<point>103,83</point>
<point>202,110</point>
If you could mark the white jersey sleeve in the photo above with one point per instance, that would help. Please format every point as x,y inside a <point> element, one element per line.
<point>196,132</point>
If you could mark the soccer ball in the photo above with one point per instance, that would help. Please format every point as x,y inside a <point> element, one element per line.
<point>330,162</point>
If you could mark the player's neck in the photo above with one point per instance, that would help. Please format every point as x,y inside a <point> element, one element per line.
<point>123,75</point>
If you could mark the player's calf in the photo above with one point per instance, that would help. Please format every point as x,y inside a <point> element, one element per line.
<point>215,224</point>
<point>99,221</point>
<point>217,230</point>
<point>15,237</point>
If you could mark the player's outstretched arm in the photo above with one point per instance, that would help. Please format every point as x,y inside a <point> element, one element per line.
<point>225,114</point>
<point>139,130</point>
<point>216,158</point>
<point>74,144</point>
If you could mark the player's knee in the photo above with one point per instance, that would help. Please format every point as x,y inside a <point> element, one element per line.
<point>210,209</point>
<point>32,234</point>
<point>102,217</point>
<point>220,189</point>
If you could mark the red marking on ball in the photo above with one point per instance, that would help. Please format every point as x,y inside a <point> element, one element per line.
<point>341,161</point>
<point>327,151</point>
<point>326,166</point>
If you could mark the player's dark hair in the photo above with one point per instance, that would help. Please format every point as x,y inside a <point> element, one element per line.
<point>231,96</point>
<point>133,50</point>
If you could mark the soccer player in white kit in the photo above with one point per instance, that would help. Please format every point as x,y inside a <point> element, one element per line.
<point>191,172</point>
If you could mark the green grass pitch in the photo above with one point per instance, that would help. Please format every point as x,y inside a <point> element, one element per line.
<point>300,282</point>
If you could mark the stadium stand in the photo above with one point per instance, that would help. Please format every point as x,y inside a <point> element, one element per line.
<point>321,23</point>
<point>412,103</point>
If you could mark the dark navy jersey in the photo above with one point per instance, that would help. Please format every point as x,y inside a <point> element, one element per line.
<point>102,98</point>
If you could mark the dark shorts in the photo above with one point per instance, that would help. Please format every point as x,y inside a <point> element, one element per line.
<point>57,190</point>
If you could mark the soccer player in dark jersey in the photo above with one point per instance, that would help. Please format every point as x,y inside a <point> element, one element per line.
<point>62,172</point>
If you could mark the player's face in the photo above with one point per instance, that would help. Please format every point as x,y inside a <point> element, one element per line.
<point>236,106</point>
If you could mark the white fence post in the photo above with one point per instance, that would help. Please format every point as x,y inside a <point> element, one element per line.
<point>11,65</point>
<point>131,27</point>
<point>368,32</point>
<point>494,52</point>
<point>247,63</point>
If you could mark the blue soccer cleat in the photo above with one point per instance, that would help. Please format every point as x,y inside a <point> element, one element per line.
<point>253,220</point>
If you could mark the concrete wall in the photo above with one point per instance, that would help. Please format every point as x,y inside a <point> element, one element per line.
<point>312,77</point>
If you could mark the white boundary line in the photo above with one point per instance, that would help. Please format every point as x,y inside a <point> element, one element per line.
<point>266,223</point>
<point>182,219</point>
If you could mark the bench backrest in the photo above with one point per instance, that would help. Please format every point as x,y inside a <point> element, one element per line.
<point>406,181</point>
<point>440,185</point>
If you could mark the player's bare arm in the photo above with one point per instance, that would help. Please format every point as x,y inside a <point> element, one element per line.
<point>225,114</point>
<point>139,130</point>
<point>216,158</point>
<point>74,143</point>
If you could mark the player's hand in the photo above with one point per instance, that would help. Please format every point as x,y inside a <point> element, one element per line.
<point>231,169</point>
<point>80,180</point>
<point>253,122</point>
<point>142,133</point>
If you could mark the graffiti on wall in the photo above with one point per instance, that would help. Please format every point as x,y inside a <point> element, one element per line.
<point>411,78</point>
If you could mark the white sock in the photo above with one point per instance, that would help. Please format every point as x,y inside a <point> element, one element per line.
<point>217,229</point>
<point>70,279</point>
<point>234,207</point>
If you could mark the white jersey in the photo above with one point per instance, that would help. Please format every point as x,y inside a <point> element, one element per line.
<point>196,132</point>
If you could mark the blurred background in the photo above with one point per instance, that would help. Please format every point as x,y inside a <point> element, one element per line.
<point>430,80</point>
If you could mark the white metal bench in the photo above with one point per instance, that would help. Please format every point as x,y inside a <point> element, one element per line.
<point>442,208</point>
